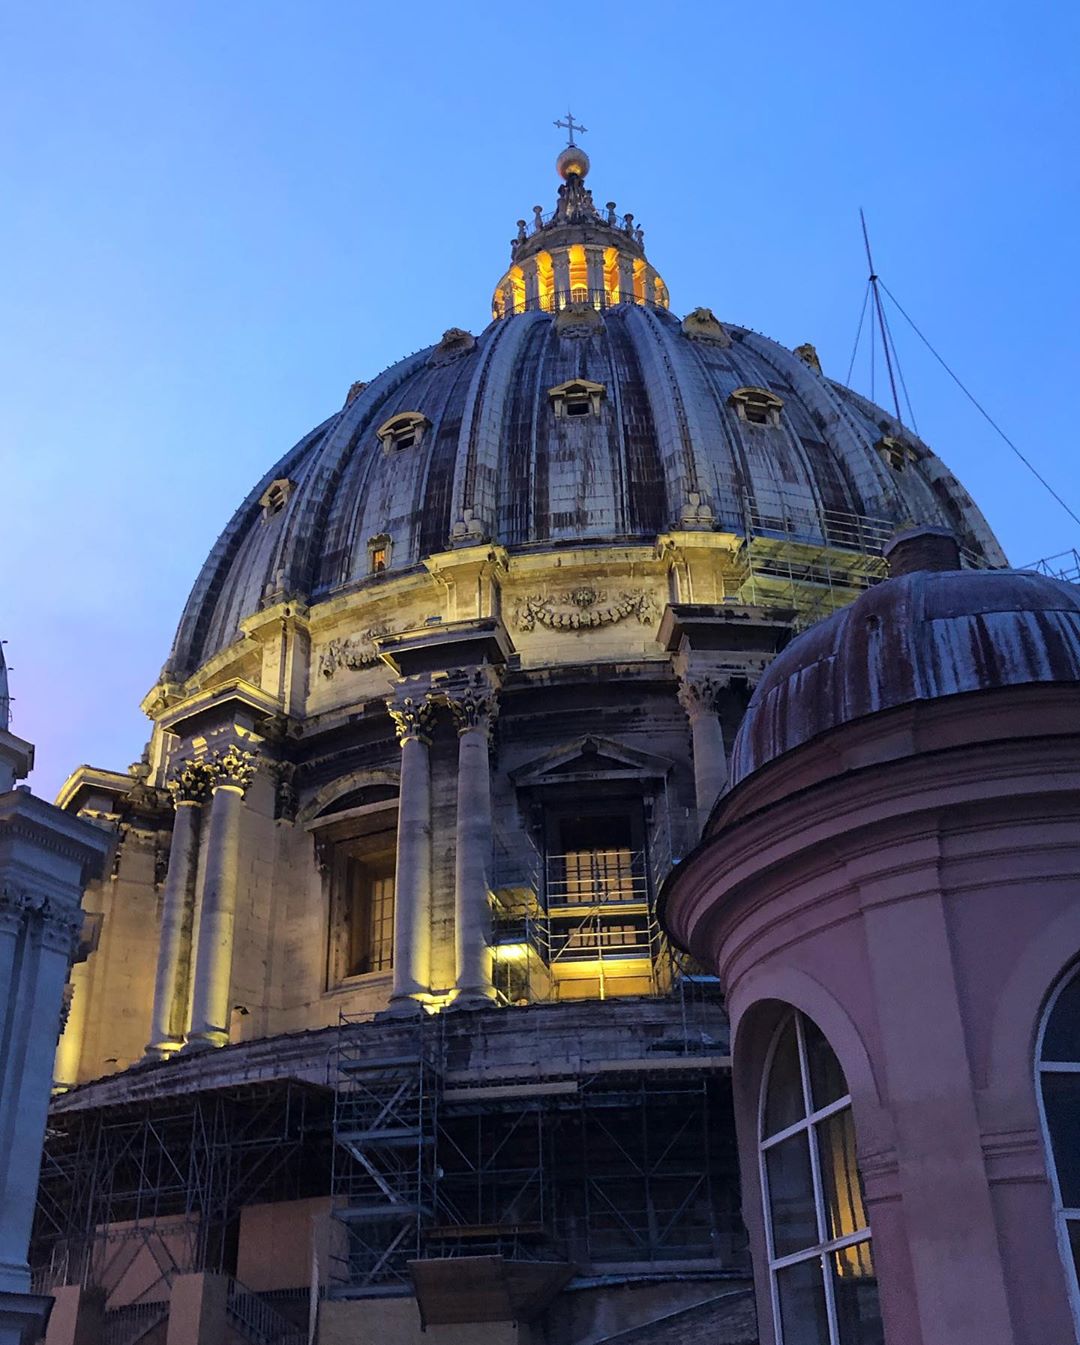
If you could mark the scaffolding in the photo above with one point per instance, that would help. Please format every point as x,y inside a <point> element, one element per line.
<point>385,1115</point>
<point>171,1174</point>
<point>510,1136</point>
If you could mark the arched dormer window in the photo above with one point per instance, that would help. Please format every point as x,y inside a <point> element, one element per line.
<point>405,430</point>
<point>821,1271</point>
<point>274,497</point>
<point>579,397</point>
<point>1059,1105</point>
<point>756,406</point>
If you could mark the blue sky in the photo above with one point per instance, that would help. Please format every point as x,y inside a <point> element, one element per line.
<point>218,215</point>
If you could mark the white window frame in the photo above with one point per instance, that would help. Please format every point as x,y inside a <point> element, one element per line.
<point>825,1246</point>
<point>1063,1214</point>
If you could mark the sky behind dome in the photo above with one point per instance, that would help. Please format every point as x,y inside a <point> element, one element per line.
<point>217,216</point>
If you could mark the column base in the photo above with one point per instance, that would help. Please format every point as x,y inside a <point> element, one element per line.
<point>473,999</point>
<point>204,1041</point>
<point>23,1317</point>
<point>404,1006</point>
<point>161,1051</point>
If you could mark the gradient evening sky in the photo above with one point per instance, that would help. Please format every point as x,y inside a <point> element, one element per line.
<point>218,215</point>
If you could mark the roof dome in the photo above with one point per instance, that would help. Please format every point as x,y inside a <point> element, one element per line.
<point>921,636</point>
<point>586,413</point>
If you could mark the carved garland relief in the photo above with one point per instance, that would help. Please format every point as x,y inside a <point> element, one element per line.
<point>354,652</point>
<point>584,609</point>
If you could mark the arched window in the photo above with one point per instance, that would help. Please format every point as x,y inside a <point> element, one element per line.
<point>1059,1098</point>
<point>820,1266</point>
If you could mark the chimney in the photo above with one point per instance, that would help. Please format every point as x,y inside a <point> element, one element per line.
<point>924,548</point>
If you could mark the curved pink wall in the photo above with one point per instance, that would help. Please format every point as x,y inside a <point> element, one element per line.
<point>911,881</point>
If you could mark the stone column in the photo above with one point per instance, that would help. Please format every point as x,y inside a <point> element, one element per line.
<point>39,929</point>
<point>698,695</point>
<point>233,769</point>
<point>532,283</point>
<point>594,269</point>
<point>474,706</point>
<point>190,788</point>
<point>413,717</point>
<point>560,261</point>
<point>72,1028</point>
<point>626,278</point>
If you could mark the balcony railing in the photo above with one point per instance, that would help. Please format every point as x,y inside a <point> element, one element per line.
<point>596,877</point>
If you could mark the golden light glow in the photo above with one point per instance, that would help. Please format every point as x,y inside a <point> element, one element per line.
<point>545,280</point>
<point>611,274</point>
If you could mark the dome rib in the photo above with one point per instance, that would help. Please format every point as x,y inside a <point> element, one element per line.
<point>495,461</point>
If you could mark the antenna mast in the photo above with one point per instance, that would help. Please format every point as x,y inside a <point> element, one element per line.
<point>880,313</point>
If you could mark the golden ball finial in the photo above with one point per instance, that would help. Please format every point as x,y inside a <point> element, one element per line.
<point>574,160</point>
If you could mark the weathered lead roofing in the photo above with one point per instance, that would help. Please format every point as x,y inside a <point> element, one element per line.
<point>496,462</point>
<point>918,637</point>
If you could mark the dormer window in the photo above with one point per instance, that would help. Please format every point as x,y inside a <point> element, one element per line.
<point>379,554</point>
<point>274,497</point>
<point>405,430</point>
<point>579,397</point>
<point>895,452</point>
<point>757,406</point>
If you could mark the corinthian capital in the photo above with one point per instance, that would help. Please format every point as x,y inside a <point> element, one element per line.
<point>191,782</point>
<point>700,692</point>
<point>472,696</point>
<point>413,716</point>
<point>232,766</point>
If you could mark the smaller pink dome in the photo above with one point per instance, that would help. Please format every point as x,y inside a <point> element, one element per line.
<point>920,636</point>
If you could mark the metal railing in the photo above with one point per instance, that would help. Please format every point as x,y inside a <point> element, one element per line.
<point>129,1324</point>
<point>1065,565</point>
<point>596,877</point>
<point>258,1320</point>
<point>557,300</point>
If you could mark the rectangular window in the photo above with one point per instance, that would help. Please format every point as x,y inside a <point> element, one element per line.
<point>362,907</point>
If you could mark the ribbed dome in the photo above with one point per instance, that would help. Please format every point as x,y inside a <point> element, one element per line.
<point>918,637</point>
<point>489,453</point>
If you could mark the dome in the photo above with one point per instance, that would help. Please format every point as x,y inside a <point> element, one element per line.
<point>580,416</point>
<point>921,636</point>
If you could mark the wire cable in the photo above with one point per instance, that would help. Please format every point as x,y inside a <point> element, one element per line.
<point>858,334</point>
<point>979,407</point>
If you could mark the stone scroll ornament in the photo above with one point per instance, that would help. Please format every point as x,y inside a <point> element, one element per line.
<point>585,609</point>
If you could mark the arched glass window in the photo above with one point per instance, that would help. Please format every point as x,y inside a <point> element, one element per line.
<point>821,1270</point>
<point>1059,1095</point>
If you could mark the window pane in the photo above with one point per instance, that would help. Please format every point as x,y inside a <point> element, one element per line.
<point>791,1195</point>
<point>801,1291</point>
<point>840,1185</point>
<point>784,1100</point>
<point>1061,1041</point>
<point>1061,1099</point>
<point>827,1082</point>
<point>855,1293</point>
<point>1073,1226</point>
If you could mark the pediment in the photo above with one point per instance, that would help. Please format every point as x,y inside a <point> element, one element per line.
<point>590,758</point>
